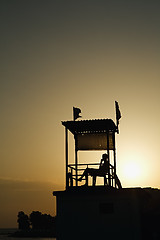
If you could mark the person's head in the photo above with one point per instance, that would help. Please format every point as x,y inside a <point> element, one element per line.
<point>105,156</point>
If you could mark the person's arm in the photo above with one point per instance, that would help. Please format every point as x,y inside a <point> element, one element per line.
<point>101,163</point>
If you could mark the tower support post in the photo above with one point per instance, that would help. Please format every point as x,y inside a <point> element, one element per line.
<point>66,151</point>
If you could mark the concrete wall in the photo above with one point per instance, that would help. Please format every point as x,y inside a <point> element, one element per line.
<point>99,214</point>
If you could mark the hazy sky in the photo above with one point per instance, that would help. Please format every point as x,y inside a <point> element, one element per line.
<point>56,54</point>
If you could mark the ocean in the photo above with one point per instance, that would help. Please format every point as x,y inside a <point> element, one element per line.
<point>4,235</point>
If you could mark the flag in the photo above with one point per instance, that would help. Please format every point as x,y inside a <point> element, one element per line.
<point>76,112</point>
<point>118,113</point>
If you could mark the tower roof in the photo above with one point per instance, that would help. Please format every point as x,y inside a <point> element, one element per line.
<point>90,126</point>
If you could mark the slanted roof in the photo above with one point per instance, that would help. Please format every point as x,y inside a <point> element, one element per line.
<point>90,126</point>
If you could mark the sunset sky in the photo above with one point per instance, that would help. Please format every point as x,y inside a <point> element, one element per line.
<point>56,54</point>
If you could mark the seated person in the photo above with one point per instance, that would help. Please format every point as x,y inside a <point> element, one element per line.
<point>103,169</point>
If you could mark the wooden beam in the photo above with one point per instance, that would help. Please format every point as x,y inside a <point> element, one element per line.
<point>76,159</point>
<point>109,176</point>
<point>114,152</point>
<point>66,150</point>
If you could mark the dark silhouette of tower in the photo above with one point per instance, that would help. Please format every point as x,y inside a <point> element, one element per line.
<point>86,210</point>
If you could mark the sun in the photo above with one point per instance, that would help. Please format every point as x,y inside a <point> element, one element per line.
<point>132,170</point>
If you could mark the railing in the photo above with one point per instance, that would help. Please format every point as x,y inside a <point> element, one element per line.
<point>73,178</point>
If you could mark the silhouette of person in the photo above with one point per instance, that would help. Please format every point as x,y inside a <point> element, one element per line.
<point>103,169</point>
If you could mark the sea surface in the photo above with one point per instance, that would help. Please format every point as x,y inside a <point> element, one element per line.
<point>5,232</point>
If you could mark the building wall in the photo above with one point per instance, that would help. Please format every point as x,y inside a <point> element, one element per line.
<point>98,214</point>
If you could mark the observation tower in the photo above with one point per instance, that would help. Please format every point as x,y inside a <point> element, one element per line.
<point>85,209</point>
<point>92,135</point>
